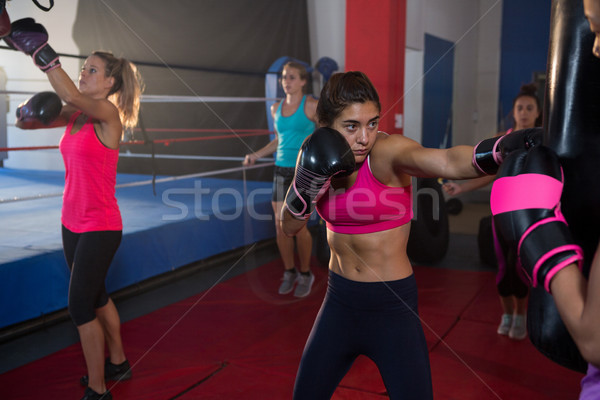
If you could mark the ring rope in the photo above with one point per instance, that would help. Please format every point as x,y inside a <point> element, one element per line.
<point>164,65</point>
<point>165,142</point>
<point>184,157</point>
<point>201,130</point>
<point>155,98</point>
<point>28,148</point>
<point>145,182</point>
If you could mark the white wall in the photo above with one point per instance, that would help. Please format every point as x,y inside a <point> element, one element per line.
<point>413,94</point>
<point>473,25</point>
<point>327,32</point>
<point>488,72</point>
<point>23,76</point>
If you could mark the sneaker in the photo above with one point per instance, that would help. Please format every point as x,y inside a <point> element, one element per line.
<point>289,279</point>
<point>505,324</point>
<point>305,283</point>
<point>89,394</point>
<point>112,372</point>
<point>518,330</point>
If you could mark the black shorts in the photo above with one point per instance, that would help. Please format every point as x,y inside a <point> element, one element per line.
<point>282,180</point>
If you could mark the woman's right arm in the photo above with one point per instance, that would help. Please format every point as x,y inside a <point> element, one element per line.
<point>269,148</point>
<point>100,109</point>
<point>453,188</point>
<point>578,303</point>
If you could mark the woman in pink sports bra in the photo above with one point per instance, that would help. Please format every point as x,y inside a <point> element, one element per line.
<point>95,114</point>
<point>362,190</point>
<point>512,289</point>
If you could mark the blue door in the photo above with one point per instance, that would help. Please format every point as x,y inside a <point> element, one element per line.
<point>437,92</point>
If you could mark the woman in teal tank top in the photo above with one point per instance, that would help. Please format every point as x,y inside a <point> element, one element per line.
<point>294,118</point>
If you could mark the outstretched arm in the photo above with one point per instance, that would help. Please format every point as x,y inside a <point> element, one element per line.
<point>413,159</point>
<point>268,149</point>
<point>454,188</point>
<point>578,303</point>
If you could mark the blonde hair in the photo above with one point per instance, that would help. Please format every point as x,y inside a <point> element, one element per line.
<point>301,71</point>
<point>127,89</point>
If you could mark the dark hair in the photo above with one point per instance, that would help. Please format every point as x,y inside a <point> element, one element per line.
<point>342,90</point>
<point>529,90</point>
<point>127,89</point>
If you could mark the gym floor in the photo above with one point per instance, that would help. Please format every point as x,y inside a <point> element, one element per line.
<point>233,339</point>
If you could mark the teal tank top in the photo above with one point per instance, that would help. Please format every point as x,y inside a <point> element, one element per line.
<point>291,132</point>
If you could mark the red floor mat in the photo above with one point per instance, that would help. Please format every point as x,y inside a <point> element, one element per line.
<point>241,340</point>
<point>475,363</point>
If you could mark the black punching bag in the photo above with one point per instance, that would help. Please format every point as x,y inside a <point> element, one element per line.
<point>572,125</point>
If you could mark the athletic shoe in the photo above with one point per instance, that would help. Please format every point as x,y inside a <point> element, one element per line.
<point>305,282</point>
<point>112,372</point>
<point>89,394</point>
<point>289,279</point>
<point>518,330</point>
<point>505,324</point>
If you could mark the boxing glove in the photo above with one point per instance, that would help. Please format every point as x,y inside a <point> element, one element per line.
<point>525,203</point>
<point>32,38</point>
<point>323,155</point>
<point>4,20</point>
<point>44,107</point>
<point>489,153</point>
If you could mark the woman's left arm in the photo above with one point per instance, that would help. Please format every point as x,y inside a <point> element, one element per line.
<point>416,160</point>
<point>99,109</point>
<point>310,108</point>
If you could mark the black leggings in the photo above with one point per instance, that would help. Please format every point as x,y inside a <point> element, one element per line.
<point>88,256</point>
<point>379,320</point>
<point>509,280</point>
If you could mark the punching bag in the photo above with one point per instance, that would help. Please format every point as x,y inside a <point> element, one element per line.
<point>572,130</point>
<point>429,229</point>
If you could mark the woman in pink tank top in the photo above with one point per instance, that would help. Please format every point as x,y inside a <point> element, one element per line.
<point>95,114</point>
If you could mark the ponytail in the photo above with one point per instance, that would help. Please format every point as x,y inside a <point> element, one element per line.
<point>127,88</point>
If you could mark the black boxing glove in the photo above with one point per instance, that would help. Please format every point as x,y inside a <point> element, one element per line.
<point>31,38</point>
<point>323,155</point>
<point>44,107</point>
<point>525,202</point>
<point>489,153</point>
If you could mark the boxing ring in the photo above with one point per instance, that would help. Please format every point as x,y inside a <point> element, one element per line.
<point>168,221</point>
<point>183,193</point>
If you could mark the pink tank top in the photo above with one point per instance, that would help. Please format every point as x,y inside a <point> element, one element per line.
<point>367,206</point>
<point>89,202</point>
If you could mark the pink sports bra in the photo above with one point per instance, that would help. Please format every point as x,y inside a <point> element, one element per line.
<point>367,206</point>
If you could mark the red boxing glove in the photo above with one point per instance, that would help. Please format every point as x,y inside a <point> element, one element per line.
<point>44,107</point>
<point>4,20</point>
<point>32,38</point>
